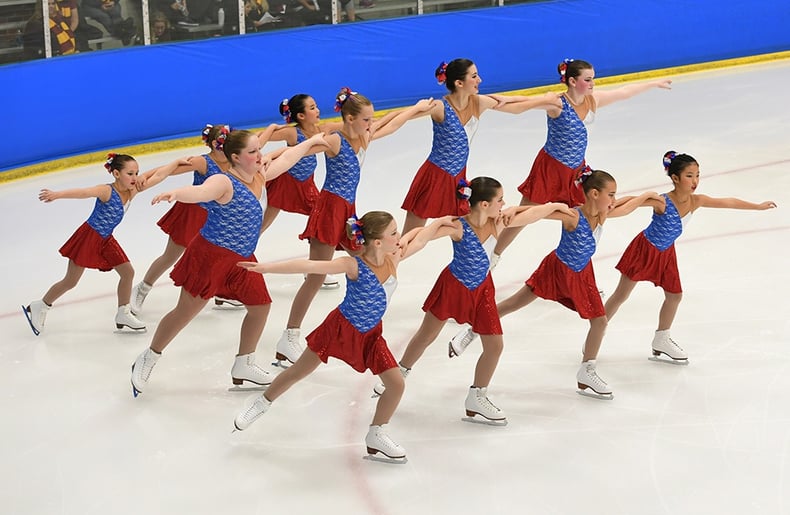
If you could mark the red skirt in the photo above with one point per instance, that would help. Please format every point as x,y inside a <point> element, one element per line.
<point>551,181</point>
<point>206,270</point>
<point>449,298</point>
<point>642,261</point>
<point>182,222</point>
<point>292,195</point>
<point>88,249</point>
<point>337,338</point>
<point>433,193</point>
<point>327,222</point>
<point>553,280</point>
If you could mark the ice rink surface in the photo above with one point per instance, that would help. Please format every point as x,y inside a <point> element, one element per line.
<point>712,437</point>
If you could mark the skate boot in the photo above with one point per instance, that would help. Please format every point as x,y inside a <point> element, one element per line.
<point>36,314</point>
<point>139,293</point>
<point>380,388</point>
<point>289,348</point>
<point>379,442</point>
<point>254,408</point>
<point>330,282</point>
<point>494,261</point>
<point>222,302</point>
<point>245,369</point>
<point>460,342</point>
<point>125,318</point>
<point>587,377</point>
<point>477,403</point>
<point>663,344</point>
<point>141,370</point>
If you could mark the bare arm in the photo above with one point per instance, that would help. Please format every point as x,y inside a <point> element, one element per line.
<point>648,198</point>
<point>603,98</point>
<point>217,187</point>
<point>267,134</point>
<point>388,125</point>
<point>732,203</point>
<point>416,239</point>
<point>102,192</point>
<point>342,265</point>
<point>288,156</point>
<point>156,175</point>
<point>518,216</point>
<point>545,102</point>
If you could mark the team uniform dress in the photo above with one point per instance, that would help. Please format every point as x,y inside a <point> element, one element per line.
<point>92,245</point>
<point>295,191</point>
<point>464,290</point>
<point>651,254</point>
<point>433,192</point>
<point>554,174</point>
<point>566,275</point>
<point>183,221</point>
<point>352,331</point>
<point>230,234</point>
<point>336,201</point>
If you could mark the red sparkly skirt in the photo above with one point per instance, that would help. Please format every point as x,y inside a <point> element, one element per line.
<point>182,222</point>
<point>206,270</point>
<point>337,338</point>
<point>88,249</point>
<point>327,222</point>
<point>553,280</point>
<point>551,181</point>
<point>292,195</point>
<point>433,193</point>
<point>449,298</point>
<point>642,261</point>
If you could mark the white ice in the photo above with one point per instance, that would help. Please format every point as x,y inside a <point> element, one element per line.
<point>712,437</point>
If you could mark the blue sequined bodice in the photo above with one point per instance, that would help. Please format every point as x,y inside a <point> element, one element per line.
<point>343,172</point>
<point>237,224</point>
<point>577,247</point>
<point>664,229</point>
<point>450,147</point>
<point>107,215</point>
<point>567,137</point>
<point>470,261</point>
<point>305,167</point>
<point>365,301</point>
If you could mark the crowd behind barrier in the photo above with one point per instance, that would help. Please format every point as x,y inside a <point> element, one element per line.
<point>391,61</point>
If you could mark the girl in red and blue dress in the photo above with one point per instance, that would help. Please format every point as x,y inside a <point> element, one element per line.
<point>434,189</point>
<point>325,230</point>
<point>208,265</point>
<point>93,245</point>
<point>651,255</point>
<point>554,173</point>
<point>353,331</point>
<point>465,291</point>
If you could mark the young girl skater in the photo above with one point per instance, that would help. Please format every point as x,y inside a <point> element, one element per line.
<point>353,331</point>
<point>433,192</point>
<point>183,221</point>
<point>208,265</point>
<point>566,275</point>
<point>325,228</point>
<point>651,254</point>
<point>553,177</point>
<point>465,292</point>
<point>93,245</point>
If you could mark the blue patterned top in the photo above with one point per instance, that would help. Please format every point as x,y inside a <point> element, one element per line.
<point>342,172</point>
<point>211,168</point>
<point>566,140</point>
<point>236,225</point>
<point>470,260</point>
<point>107,215</point>
<point>577,247</point>
<point>365,301</point>
<point>450,147</point>
<point>665,228</point>
<point>305,167</point>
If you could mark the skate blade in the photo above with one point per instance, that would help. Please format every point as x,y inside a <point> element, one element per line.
<point>451,352</point>
<point>249,388</point>
<point>30,321</point>
<point>595,395</point>
<point>381,458</point>
<point>484,421</point>
<point>670,360</point>
<point>332,286</point>
<point>131,330</point>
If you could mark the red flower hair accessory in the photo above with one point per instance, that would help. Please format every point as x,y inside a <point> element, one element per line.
<point>205,132</point>
<point>563,67</point>
<point>355,227</point>
<point>285,111</point>
<point>441,73</point>
<point>341,98</point>
<point>109,161</point>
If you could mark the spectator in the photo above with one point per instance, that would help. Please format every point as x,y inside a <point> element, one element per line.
<point>177,12</point>
<point>64,41</point>
<point>108,14</point>
<point>160,27</point>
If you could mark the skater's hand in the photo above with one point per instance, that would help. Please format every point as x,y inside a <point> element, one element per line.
<point>46,195</point>
<point>252,266</point>
<point>768,204</point>
<point>664,83</point>
<point>317,139</point>
<point>562,207</point>
<point>553,99</point>
<point>170,197</point>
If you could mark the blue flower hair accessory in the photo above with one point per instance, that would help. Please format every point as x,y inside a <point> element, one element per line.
<point>441,73</point>
<point>285,110</point>
<point>668,157</point>
<point>463,191</point>
<point>563,67</point>
<point>108,162</point>
<point>584,174</point>
<point>341,98</point>
<point>355,226</point>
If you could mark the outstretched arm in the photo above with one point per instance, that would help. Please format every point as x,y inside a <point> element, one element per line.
<point>102,192</point>
<point>416,239</point>
<point>507,105</point>
<point>518,216</point>
<point>627,205</point>
<point>283,159</point>
<point>391,122</point>
<point>342,265</point>
<point>269,132</point>
<point>606,97</point>
<point>217,187</point>
<point>732,203</point>
<point>156,175</point>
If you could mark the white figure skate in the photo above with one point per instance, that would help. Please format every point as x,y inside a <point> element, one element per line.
<point>330,282</point>
<point>460,342</point>
<point>382,448</point>
<point>141,370</point>
<point>288,349</point>
<point>587,379</point>
<point>36,314</point>
<point>254,408</point>
<point>139,293</point>
<point>245,369</point>
<point>478,403</point>
<point>665,350</point>
<point>223,303</point>
<point>494,261</point>
<point>125,318</point>
<point>379,389</point>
